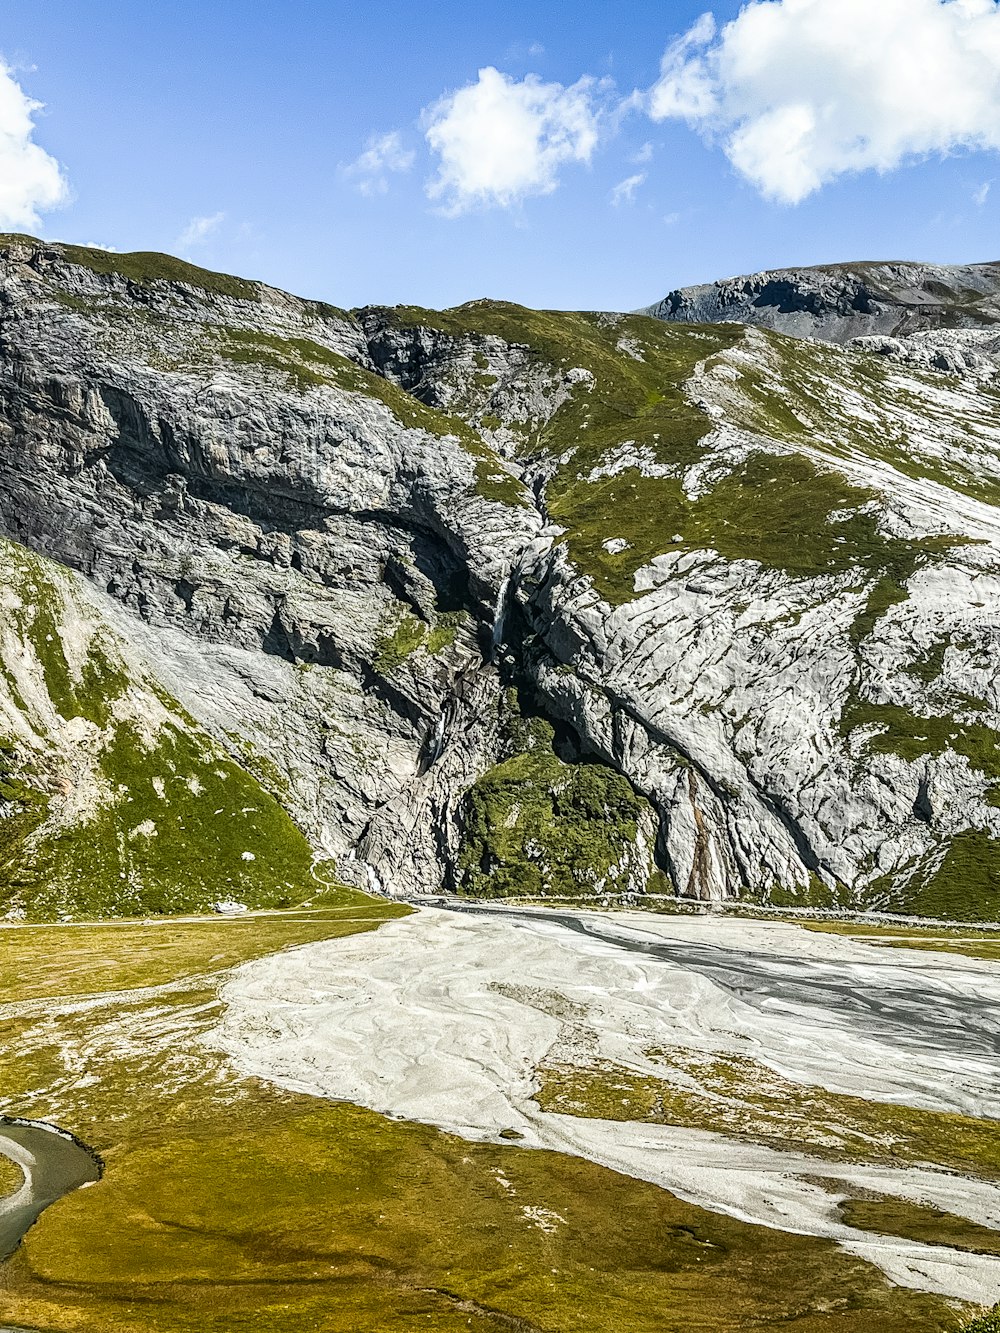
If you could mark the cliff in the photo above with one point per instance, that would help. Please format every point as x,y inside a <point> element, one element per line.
<point>492,599</point>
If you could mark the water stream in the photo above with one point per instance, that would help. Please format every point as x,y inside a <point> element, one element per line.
<point>53,1163</point>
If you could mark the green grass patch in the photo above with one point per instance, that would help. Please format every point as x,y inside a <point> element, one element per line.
<point>393,649</point>
<point>986,1323</point>
<point>11,1177</point>
<point>889,1216</point>
<point>184,827</point>
<point>913,735</point>
<point>147,267</point>
<point>538,826</point>
<point>642,402</point>
<point>60,962</point>
<point>169,822</point>
<point>963,886</point>
<point>744,1099</point>
<point>787,395</point>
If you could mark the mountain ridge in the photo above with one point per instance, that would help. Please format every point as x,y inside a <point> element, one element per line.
<point>837,302</point>
<point>462,590</point>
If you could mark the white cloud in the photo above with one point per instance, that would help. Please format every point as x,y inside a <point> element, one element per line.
<point>643,155</point>
<point>31,181</point>
<point>198,230</point>
<point>802,91</point>
<point>384,155</point>
<point>519,51</point>
<point>624,191</point>
<point>671,219</point>
<point>500,139</point>
<point>980,196</point>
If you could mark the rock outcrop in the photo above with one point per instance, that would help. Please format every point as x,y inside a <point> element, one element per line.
<point>837,302</point>
<point>711,608</point>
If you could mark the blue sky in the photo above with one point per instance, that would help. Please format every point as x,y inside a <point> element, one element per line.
<point>248,117</point>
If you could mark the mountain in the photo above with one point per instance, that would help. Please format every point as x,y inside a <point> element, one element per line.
<point>837,302</point>
<point>492,599</point>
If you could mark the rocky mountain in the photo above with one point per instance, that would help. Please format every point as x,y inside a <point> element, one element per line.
<point>838,302</point>
<point>499,600</point>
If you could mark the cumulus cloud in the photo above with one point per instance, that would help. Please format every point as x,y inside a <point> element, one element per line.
<point>384,155</point>
<point>31,181</point>
<point>624,191</point>
<point>799,92</point>
<point>500,140</point>
<point>198,230</point>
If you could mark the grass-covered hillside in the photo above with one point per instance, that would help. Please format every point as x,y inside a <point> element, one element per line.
<point>113,802</point>
<point>776,510</point>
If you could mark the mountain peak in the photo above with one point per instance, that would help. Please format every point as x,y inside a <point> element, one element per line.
<point>838,302</point>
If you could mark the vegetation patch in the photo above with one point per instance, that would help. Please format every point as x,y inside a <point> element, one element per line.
<point>393,649</point>
<point>889,414</point>
<point>618,401</point>
<point>913,735</point>
<point>986,1323</point>
<point>443,634</point>
<point>814,893</point>
<point>184,827</point>
<point>11,1177</point>
<point>39,961</point>
<point>745,1099</point>
<point>139,811</point>
<point>889,1216</point>
<point>963,885</point>
<point>147,267</point>
<point>538,826</point>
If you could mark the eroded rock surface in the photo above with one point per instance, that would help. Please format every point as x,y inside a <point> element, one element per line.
<point>837,302</point>
<point>721,602</point>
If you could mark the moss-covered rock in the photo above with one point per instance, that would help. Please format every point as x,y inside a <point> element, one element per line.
<point>537,826</point>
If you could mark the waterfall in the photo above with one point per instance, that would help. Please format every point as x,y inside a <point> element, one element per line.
<point>437,740</point>
<point>500,614</point>
<point>375,881</point>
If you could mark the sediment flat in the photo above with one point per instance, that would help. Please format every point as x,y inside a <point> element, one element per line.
<point>448,1018</point>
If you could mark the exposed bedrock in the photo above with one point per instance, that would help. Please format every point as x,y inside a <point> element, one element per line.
<point>495,598</point>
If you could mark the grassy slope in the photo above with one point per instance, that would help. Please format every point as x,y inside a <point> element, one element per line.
<point>227,1204</point>
<point>884,413</point>
<point>112,801</point>
<point>772,509</point>
<point>640,401</point>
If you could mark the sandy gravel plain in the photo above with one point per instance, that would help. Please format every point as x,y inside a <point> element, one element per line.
<point>446,1017</point>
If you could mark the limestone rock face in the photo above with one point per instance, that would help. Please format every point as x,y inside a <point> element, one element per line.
<point>837,302</point>
<point>461,589</point>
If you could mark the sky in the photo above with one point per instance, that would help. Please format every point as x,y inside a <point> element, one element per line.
<point>585,156</point>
